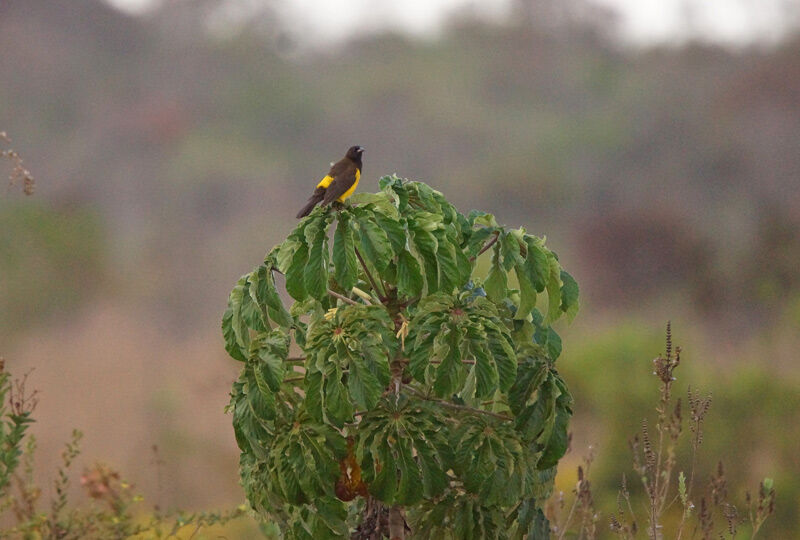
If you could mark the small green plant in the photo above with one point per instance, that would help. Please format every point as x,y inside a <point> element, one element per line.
<point>691,513</point>
<point>111,514</point>
<point>424,396</point>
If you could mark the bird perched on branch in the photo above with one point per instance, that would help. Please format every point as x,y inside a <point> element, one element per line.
<point>339,183</point>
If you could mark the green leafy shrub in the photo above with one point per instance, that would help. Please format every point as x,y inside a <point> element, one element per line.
<point>425,397</point>
<point>672,500</point>
<point>111,515</point>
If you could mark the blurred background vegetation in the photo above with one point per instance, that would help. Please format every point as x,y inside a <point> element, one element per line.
<point>173,148</point>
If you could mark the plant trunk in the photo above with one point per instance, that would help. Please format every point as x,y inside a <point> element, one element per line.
<point>397,523</point>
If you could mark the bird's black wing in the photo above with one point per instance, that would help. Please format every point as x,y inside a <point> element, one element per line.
<point>344,176</point>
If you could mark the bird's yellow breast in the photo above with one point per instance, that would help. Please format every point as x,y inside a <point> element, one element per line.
<point>350,191</point>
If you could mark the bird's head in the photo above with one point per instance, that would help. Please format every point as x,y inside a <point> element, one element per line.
<point>354,153</point>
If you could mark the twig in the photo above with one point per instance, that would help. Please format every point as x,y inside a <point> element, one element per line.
<point>486,246</point>
<point>468,362</point>
<point>343,298</point>
<point>369,276</point>
<point>454,406</point>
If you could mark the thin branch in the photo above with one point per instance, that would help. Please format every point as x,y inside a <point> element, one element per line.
<point>343,298</point>
<point>406,303</point>
<point>486,246</point>
<point>468,362</point>
<point>294,379</point>
<point>369,276</point>
<point>454,406</point>
<point>295,360</point>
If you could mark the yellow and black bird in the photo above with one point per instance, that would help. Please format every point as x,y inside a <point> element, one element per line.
<point>339,183</point>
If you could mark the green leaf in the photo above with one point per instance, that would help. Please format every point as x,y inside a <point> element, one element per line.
<point>527,293</point>
<point>495,285</point>
<point>295,274</point>
<point>511,250</point>
<point>409,489</point>
<point>385,484</point>
<point>238,324</point>
<point>448,266</point>
<point>270,354</point>
<point>537,265</point>
<point>344,254</point>
<point>477,239</point>
<point>409,276</point>
<point>368,198</point>
<point>231,343</point>
<point>535,421</point>
<point>569,295</point>
<point>338,407</point>
<point>314,397</point>
<point>315,274</point>
<point>394,229</point>
<point>447,380</point>
<point>482,218</point>
<point>261,402</point>
<point>263,292</point>
<point>425,244</point>
<point>365,389</point>
<point>555,444</point>
<point>554,291</point>
<point>485,371</point>
<point>374,242</point>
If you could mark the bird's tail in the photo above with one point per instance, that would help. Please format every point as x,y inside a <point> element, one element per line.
<point>312,202</point>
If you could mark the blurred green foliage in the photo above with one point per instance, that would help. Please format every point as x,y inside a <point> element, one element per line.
<point>51,260</point>
<point>749,426</point>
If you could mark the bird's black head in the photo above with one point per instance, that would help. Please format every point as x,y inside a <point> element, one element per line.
<point>354,153</point>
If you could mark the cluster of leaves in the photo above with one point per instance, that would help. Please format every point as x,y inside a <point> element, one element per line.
<point>442,381</point>
<point>111,514</point>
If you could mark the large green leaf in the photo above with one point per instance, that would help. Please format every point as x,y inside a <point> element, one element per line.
<point>426,246</point>
<point>374,242</point>
<point>344,254</point>
<point>450,372</point>
<point>237,335</point>
<point>364,386</point>
<point>295,273</point>
<point>510,247</point>
<point>496,283</point>
<point>394,229</point>
<point>409,276</point>
<point>315,274</point>
<point>537,265</point>
<point>269,354</point>
<point>263,292</point>
<point>569,295</point>
<point>554,291</point>
<point>527,292</point>
<point>531,372</point>
<point>556,446</point>
<point>229,334</point>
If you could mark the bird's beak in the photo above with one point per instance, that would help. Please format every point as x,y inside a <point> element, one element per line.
<point>360,149</point>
